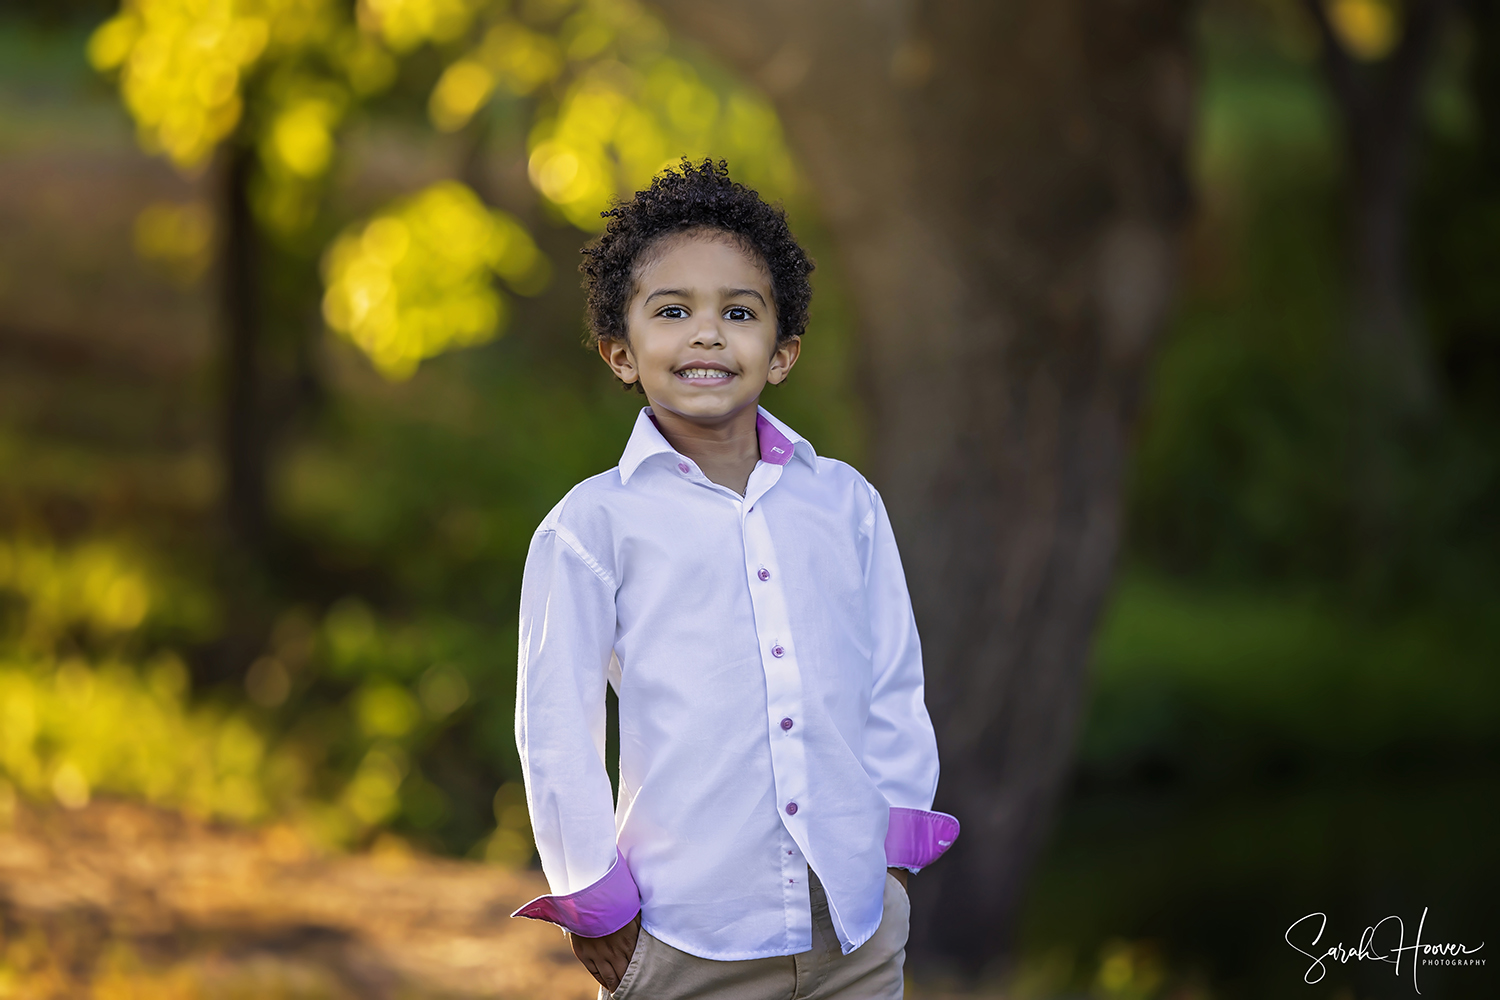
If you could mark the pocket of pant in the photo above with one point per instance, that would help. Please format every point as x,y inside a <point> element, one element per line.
<point>904,894</point>
<point>905,902</point>
<point>632,968</point>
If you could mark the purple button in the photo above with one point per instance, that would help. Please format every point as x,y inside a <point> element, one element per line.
<point>764,574</point>
<point>683,468</point>
<point>778,652</point>
<point>786,723</point>
<point>791,808</point>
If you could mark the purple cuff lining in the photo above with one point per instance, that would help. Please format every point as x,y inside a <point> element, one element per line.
<point>916,838</point>
<point>595,910</point>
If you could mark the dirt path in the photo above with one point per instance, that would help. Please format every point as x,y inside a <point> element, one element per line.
<point>120,901</point>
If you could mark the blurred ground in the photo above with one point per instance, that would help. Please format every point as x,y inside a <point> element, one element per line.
<point>120,900</point>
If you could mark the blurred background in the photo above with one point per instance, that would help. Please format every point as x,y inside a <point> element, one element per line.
<point>291,366</point>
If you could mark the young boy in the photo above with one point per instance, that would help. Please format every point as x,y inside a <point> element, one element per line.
<point>744,598</point>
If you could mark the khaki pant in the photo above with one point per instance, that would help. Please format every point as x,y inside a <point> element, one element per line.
<point>873,971</point>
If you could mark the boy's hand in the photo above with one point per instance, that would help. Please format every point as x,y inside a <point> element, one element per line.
<point>607,957</point>
<point>901,875</point>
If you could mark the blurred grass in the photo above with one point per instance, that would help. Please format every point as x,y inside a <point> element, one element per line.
<point>1252,756</point>
<point>1202,681</point>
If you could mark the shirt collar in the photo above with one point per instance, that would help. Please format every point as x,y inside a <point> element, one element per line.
<point>778,443</point>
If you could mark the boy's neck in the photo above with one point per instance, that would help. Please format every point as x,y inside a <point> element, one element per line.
<point>725,449</point>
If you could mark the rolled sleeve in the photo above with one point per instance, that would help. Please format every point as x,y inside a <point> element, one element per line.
<point>566,638</point>
<point>900,747</point>
<point>600,908</point>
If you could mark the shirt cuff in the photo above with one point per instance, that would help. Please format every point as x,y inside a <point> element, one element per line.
<point>916,838</point>
<point>595,910</point>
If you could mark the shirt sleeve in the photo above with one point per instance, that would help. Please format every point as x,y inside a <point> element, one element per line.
<point>900,746</point>
<point>566,642</point>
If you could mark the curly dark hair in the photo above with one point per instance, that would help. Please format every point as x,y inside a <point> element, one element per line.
<point>693,196</point>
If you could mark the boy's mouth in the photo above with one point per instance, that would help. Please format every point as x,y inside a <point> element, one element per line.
<point>704,373</point>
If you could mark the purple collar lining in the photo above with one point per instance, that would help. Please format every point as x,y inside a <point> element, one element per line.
<point>775,447</point>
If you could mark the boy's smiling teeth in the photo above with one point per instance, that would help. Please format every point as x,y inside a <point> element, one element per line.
<point>703,373</point>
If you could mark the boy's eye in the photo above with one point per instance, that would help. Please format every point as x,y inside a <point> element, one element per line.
<point>738,313</point>
<point>672,312</point>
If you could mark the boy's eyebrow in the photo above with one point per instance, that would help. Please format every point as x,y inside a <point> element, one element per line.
<point>730,293</point>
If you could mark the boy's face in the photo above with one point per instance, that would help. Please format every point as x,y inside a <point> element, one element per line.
<point>702,325</point>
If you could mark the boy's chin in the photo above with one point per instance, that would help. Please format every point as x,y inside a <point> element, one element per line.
<point>705,406</point>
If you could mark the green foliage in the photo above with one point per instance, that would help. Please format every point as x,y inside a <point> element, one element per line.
<point>1247,457</point>
<point>1205,686</point>
<point>1252,754</point>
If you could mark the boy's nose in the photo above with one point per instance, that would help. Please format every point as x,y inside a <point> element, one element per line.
<point>708,335</point>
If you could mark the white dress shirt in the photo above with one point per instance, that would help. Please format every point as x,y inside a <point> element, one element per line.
<point>769,678</point>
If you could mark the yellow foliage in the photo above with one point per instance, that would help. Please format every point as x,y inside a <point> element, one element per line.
<point>522,59</point>
<point>1367,28</point>
<point>385,709</point>
<point>95,586</point>
<point>620,125</point>
<point>1129,971</point>
<point>182,62</point>
<point>179,237</point>
<point>100,588</point>
<point>367,65</point>
<point>628,110</point>
<point>510,56</point>
<point>372,795</point>
<point>405,24</point>
<point>417,280</point>
<point>443,690</point>
<point>68,729</point>
<point>512,844</point>
<point>73,728</point>
<point>460,92</point>
<point>301,136</point>
<point>296,146</point>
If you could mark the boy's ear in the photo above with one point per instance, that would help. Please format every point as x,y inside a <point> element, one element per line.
<point>616,354</point>
<point>782,360</point>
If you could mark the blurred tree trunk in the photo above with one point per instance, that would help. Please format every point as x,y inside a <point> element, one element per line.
<point>244,436</point>
<point>243,432</point>
<point>1393,381</point>
<point>1005,181</point>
